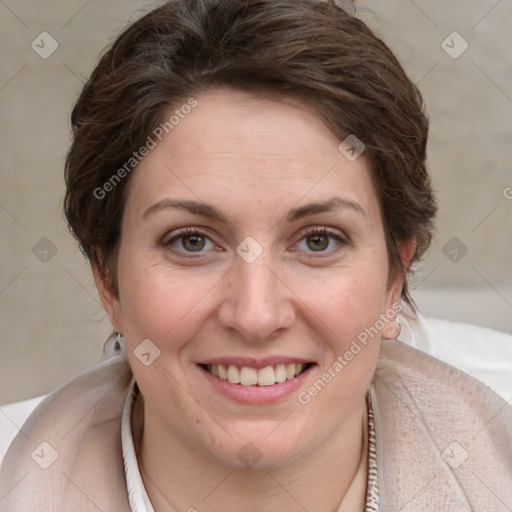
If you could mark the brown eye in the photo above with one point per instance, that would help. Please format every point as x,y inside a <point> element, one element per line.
<point>190,241</point>
<point>322,241</point>
<point>318,242</point>
<point>193,243</point>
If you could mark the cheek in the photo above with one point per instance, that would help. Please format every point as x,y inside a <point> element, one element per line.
<point>350,313</point>
<point>158,303</point>
<point>349,299</point>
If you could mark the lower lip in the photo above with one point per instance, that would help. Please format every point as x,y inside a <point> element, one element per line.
<point>257,394</point>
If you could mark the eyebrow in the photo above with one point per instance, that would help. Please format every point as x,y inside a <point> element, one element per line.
<point>205,210</point>
<point>325,206</point>
<point>195,207</point>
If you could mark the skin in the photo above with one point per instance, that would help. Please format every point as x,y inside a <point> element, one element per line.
<point>254,160</point>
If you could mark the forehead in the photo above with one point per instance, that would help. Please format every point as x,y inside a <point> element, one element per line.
<point>233,144</point>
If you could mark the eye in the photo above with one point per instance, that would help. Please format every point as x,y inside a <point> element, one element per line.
<point>319,240</point>
<point>191,241</point>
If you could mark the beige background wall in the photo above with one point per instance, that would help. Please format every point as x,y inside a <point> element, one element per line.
<point>51,323</point>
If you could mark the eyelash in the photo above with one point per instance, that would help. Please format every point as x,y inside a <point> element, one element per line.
<point>323,231</point>
<point>188,232</point>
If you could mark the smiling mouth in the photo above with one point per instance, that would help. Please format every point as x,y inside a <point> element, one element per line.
<point>246,376</point>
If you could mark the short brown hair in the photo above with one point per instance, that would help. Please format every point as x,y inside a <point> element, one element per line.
<point>307,49</point>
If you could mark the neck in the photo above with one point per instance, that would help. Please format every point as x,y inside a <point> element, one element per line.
<point>179,477</point>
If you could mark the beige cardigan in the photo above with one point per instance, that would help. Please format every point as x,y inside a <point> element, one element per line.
<point>444,441</point>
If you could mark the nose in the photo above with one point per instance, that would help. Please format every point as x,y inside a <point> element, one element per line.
<point>257,305</point>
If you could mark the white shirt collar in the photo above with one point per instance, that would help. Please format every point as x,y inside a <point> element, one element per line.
<point>137,495</point>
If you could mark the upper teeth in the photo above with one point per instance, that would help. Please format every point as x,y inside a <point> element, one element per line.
<point>246,376</point>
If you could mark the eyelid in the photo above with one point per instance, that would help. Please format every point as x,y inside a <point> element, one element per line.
<point>176,234</point>
<point>189,230</point>
<point>323,230</point>
<point>341,238</point>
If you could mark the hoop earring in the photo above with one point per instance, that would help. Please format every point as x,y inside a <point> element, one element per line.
<point>119,340</point>
<point>115,344</point>
<point>120,345</point>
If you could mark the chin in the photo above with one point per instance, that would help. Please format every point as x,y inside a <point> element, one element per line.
<point>261,446</point>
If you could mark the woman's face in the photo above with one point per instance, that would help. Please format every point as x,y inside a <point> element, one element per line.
<point>250,241</point>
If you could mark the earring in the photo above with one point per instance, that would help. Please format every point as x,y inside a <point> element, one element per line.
<point>114,344</point>
<point>397,329</point>
<point>120,345</point>
<point>119,341</point>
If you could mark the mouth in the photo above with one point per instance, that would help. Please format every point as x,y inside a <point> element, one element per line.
<point>257,377</point>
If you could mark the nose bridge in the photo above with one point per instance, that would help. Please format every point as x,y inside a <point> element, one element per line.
<point>257,285</point>
<point>257,304</point>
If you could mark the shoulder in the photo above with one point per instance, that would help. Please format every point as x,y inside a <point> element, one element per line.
<point>12,417</point>
<point>82,416</point>
<point>439,387</point>
<point>443,432</point>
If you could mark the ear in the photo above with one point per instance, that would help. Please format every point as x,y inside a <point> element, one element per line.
<point>406,250</point>
<point>392,328</point>
<point>108,296</point>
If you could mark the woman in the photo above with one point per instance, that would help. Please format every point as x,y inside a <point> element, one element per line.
<point>248,182</point>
